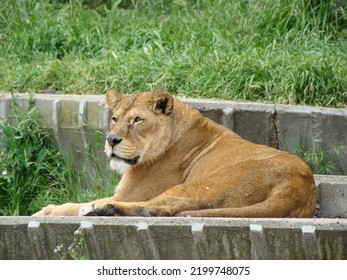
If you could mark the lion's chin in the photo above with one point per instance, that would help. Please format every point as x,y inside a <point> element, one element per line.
<point>132,161</point>
<point>120,166</point>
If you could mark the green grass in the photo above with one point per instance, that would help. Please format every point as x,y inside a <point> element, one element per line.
<point>34,173</point>
<point>287,51</point>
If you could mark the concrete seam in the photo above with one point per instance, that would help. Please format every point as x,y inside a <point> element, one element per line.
<point>82,117</point>
<point>200,241</point>
<point>309,241</point>
<point>275,129</point>
<point>317,130</point>
<point>37,238</point>
<point>259,250</point>
<point>228,118</point>
<point>105,118</point>
<point>92,245</point>
<point>145,239</point>
<point>56,116</point>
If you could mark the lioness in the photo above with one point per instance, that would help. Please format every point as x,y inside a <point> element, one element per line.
<point>175,162</point>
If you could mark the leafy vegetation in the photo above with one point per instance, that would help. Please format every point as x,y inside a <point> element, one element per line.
<point>34,173</point>
<point>320,160</point>
<point>287,51</point>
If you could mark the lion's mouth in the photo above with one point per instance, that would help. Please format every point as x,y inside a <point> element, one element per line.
<point>132,161</point>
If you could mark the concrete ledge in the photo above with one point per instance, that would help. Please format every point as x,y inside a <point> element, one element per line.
<point>175,238</point>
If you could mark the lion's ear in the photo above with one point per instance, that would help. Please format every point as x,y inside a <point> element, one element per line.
<point>113,97</point>
<point>162,101</point>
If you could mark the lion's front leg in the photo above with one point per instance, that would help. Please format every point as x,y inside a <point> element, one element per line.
<point>67,209</point>
<point>170,202</point>
<point>114,208</point>
<point>161,206</point>
<point>78,209</point>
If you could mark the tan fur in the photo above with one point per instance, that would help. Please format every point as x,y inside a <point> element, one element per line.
<point>179,163</point>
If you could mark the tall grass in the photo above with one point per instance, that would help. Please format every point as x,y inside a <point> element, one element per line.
<point>34,173</point>
<point>287,51</point>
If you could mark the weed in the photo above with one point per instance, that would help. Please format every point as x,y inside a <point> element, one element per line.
<point>75,250</point>
<point>319,159</point>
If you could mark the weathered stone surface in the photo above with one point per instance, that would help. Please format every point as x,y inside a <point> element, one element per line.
<point>174,238</point>
<point>280,126</point>
<point>332,196</point>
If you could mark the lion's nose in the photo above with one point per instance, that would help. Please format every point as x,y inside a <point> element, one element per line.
<point>113,139</point>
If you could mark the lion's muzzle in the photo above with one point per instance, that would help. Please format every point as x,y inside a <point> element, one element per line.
<point>113,140</point>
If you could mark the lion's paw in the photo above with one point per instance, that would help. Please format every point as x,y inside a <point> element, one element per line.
<point>95,210</point>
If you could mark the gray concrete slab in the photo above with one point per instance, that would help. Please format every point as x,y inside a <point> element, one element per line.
<point>174,238</point>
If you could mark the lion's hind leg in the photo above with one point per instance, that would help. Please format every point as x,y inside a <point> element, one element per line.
<point>277,205</point>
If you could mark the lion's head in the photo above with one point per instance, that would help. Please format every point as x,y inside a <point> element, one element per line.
<point>140,128</point>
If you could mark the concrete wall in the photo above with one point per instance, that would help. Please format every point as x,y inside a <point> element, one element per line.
<point>74,119</point>
<point>174,238</point>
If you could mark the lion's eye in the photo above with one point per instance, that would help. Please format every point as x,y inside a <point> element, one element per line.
<point>114,119</point>
<point>138,119</point>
